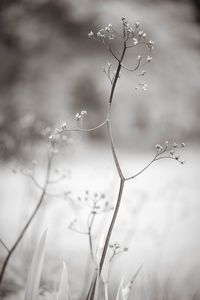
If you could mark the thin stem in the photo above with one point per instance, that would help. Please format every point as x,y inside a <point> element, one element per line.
<point>122,179</point>
<point>131,177</point>
<point>40,187</point>
<point>114,151</point>
<point>121,188</point>
<point>90,224</point>
<point>82,129</point>
<point>10,252</point>
<point>113,54</point>
<point>78,231</point>
<point>4,245</point>
<point>135,69</point>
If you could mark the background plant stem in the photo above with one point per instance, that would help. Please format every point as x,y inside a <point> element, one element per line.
<point>11,251</point>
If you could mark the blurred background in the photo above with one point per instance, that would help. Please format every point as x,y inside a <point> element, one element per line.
<point>49,71</point>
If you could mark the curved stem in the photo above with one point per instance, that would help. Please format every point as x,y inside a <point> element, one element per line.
<point>10,252</point>
<point>90,224</point>
<point>92,289</point>
<point>114,151</point>
<point>141,171</point>
<point>4,245</point>
<point>121,188</point>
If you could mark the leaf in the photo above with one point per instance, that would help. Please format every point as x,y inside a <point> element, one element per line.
<point>34,275</point>
<point>106,290</point>
<point>63,291</point>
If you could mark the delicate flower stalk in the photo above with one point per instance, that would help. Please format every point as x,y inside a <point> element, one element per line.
<point>11,250</point>
<point>132,36</point>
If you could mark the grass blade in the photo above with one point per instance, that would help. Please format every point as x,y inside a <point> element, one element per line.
<point>119,292</point>
<point>34,275</point>
<point>63,291</point>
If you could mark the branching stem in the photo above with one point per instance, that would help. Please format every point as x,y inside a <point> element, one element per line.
<point>12,249</point>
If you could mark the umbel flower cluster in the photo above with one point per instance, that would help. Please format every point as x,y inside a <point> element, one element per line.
<point>133,36</point>
<point>169,151</point>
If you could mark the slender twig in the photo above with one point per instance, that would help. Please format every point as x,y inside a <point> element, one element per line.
<point>122,180</point>
<point>12,249</point>
<point>40,187</point>
<point>148,165</point>
<point>82,129</point>
<point>113,54</point>
<point>91,219</point>
<point>78,231</point>
<point>121,188</point>
<point>4,245</point>
<point>114,151</point>
<point>135,69</point>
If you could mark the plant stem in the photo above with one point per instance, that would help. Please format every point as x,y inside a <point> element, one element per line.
<point>10,252</point>
<point>90,236</point>
<point>122,179</point>
<point>121,187</point>
<point>109,129</point>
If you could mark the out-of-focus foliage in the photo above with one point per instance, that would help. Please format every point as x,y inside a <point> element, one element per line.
<point>50,69</point>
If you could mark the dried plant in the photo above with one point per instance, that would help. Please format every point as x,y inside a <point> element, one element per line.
<point>103,253</point>
<point>53,149</point>
<point>131,37</point>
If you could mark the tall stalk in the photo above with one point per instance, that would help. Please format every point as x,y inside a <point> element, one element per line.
<point>28,223</point>
<point>131,37</point>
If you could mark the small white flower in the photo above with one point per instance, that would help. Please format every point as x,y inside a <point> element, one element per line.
<point>135,41</point>
<point>64,126</point>
<point>149,58</point>
<point>139,57</point>
<point>183,145</point>
<point>78,117</point>
<point>84,112</point>
<point>91,34</point>
<point>151,43</point>
<point>144,35</point>
<point>159,147</point>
